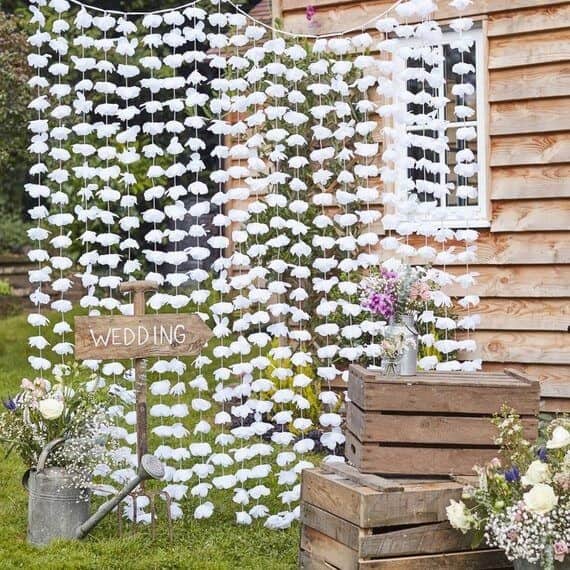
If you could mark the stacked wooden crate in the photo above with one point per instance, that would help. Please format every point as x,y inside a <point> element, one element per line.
<point>353,521</point>
<point>432,424</point>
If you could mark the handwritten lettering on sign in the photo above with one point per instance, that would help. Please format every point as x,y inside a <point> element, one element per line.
<point>109,338</point>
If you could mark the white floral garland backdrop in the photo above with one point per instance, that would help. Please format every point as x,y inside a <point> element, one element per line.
<point>117,91</point>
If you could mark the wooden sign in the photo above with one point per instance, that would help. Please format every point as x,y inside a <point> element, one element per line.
<point>111,338</point>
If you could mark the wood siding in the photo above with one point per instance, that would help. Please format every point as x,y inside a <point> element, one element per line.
<point>524,258</point>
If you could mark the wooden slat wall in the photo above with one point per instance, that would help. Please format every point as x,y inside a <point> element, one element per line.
<point>524,259</point>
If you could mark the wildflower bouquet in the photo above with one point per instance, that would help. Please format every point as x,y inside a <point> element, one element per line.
<point>391,294</point>
<point>42,412</point>
<point>522,502</point>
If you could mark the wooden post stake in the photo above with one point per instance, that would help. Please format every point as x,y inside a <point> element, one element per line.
<point>139,288</point>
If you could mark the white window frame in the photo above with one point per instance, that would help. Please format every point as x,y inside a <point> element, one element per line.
<point>467,216</point>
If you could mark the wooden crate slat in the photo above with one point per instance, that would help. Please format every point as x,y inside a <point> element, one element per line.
<point>396,460</point>
<point>418,503</point>
<point>325,548</point>
<point>440,399</point>
<point>395,428</point>
<point>423,539</point>
<point>372,482</point>
<point>335,527</point>
<point>308,562</point>
<point>477,560</point>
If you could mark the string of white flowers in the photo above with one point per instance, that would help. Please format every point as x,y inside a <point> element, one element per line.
<point>38,190</point>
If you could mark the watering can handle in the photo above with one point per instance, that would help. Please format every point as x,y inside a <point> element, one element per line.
<point>46,451</point>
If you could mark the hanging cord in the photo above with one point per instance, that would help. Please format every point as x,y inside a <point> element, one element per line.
<point>244,13</point>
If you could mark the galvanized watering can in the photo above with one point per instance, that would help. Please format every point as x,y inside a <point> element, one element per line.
<point>58,509</point>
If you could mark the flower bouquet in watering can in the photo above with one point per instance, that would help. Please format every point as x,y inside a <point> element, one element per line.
<point>522,501</point>
<point>397,296</point>
<point>59,429</point>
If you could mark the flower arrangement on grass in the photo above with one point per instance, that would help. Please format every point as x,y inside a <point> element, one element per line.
<point>522,502</point>
<point>43,412</point>
<point>391,294</point>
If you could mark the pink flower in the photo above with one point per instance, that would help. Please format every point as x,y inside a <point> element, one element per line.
<point>310,12</point>
<point>27,385</point>
<point>560,550</point>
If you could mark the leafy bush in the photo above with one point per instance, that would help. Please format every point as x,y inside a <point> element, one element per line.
<point>5,288</point>
<point>13,236</point>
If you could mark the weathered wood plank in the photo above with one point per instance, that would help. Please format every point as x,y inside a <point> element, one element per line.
<point>531,215</point>
<point>429,461</point>
<point>538,81</point>
<point>514,249</point>
<point>462,396</point>
<point>527,182</point>
<point>555,397</point>
<point>477,560</point>
<point>522,314</point>
<point>418,503</point>
<point>117,337</point>
<point>516,281</point>
<point>530,116</point>
<point>477,7</point>
<point>532,20</point>
<point>425,429</point>
<point>525,150</point>
<point>545,373</point>
<point>341,15</point>
<point>424,539</point>
<point>525,347</point>
<point>309,562</point>
<point>322,547</point>
<point>330,525</point>
<point>529,49</point>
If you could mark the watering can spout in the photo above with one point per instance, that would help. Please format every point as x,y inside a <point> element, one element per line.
<point>150,468</point>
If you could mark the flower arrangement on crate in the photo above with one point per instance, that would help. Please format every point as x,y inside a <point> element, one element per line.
<point>43,412</point>
<point>522,502</point>
<point>394,294</point>
<point>398,295</point>
<point>392,349</point>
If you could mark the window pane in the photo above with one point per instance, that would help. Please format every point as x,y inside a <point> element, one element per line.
<point>456,146</point>
<point>453,56</point>
<point>417,86</point>
<point>423,173</point>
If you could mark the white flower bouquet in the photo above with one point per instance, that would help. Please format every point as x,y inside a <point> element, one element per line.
<point>43,411</point>
<point>522,502</point>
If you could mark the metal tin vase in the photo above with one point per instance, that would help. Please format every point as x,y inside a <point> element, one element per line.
<point>406,326</point>
<point>56,506</point>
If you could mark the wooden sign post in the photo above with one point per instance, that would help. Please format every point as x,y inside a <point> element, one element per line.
<point>139,337</point>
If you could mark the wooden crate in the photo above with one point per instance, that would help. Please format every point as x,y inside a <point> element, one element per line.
<point>353,521</point>
<point>555,397</point>
<point>431,424</point>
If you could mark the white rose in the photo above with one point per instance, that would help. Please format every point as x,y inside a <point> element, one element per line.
<point>50,408</point>
<point>540,499</point>
<point>537,472</point>
<point>560,438</point>
<point>458,515</point>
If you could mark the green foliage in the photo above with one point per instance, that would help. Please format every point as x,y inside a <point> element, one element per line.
<point>13,232</point>
<point>5,288</point>
<point>14,114</point>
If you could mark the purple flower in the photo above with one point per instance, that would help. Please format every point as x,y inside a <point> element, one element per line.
<point>310,12</point>
<point>10,404</point>
<point>381,304</point>
<point>542,453</point>
<point>512,475</point>
<point>389,274</point>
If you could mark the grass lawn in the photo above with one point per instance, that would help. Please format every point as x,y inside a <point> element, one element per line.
<point>217,543</point>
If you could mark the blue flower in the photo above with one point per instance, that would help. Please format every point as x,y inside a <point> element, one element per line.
<point>10,404</point>
<point>542,453</point>
<point>512,475</point>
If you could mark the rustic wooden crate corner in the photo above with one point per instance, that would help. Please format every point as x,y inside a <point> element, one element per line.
<point>432,424</point>
<point>354,521</point>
